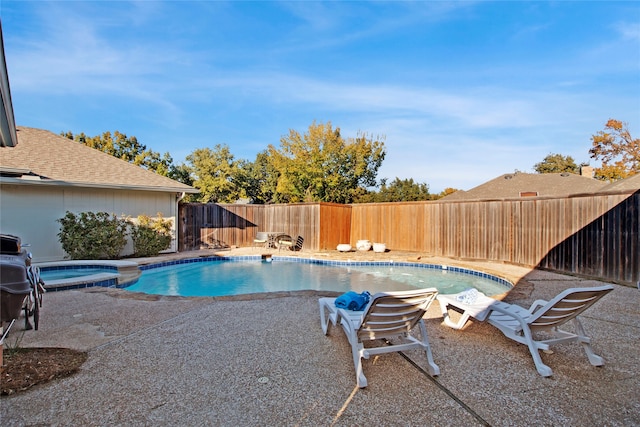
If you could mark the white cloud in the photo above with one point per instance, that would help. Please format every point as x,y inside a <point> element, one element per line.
<point>628,30</point>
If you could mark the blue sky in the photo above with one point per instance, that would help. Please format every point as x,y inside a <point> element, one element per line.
<point>461,91</point>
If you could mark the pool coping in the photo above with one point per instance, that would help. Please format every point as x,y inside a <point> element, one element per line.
<point>123,270</point>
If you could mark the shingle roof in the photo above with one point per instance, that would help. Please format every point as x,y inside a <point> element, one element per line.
<point>632,184</point>
<point>54,157</point>
<point>518,184</point>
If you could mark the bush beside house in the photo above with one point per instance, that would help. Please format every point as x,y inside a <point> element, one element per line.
<point>150,236</point>
<point>101,235</point>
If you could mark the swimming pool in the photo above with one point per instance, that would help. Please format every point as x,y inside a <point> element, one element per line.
<point>247,275</point>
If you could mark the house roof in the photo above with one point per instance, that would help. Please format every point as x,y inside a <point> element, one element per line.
<point>42,157</point>
<point>519,184</point>
<point>628,184</point>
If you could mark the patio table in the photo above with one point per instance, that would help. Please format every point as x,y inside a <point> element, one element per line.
<point>272,238</point>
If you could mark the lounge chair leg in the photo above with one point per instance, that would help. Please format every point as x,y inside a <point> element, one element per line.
<point>542,369</point>
<point>358,355</point>
<point>324,322</point>
<point>459,325</point>
<point>327,315</point>
<point>433,369</point>
<point>594,359</point>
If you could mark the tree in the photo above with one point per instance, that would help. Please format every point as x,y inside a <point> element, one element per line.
<point>444,193</point>
<point>181,173</point>
<point>400,190</point>
<point>619,152</point>
<point>261,179</point>
<point>130,150</point>
<point>320,166</point>
<point>216,174</point>
<point>557,163</point>
<point>162,165</point>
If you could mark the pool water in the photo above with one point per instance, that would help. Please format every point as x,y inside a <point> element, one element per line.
<point>220,278</point>
<point>70,273</point>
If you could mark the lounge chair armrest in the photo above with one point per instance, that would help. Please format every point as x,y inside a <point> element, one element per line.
<point>504,308</point>
<point>536,305</point>
<point>349,316</point>
<point>341,314</point>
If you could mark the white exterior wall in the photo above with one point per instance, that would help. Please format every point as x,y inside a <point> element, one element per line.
<point>31,212</point>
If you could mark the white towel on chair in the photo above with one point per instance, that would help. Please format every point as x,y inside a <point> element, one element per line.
<point>468,297</point>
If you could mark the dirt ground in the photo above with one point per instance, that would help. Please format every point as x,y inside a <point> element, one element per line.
<point>24,368</point>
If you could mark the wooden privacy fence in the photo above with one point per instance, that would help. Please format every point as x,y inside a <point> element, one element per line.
<point>322,225</point>
<point>594,235</point>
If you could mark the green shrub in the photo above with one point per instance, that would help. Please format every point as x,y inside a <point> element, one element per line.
<point>91,235</point>
<point>150,236</point>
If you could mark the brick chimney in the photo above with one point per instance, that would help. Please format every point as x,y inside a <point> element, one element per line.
<point>588,171</point>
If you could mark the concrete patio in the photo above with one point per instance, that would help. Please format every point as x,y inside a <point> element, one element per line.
<point>263,360</point>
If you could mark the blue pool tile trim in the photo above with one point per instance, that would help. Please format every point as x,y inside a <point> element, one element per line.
<point>202,259</point>
<point>79,267</point>
<point>106,283</point>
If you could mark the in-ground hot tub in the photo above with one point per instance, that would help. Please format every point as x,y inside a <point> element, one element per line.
<point>78,274</point>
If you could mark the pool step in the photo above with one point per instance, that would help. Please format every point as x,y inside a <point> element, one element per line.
<point>128,274</point>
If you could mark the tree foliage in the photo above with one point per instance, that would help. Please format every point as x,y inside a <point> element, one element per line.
<point>444,193</point>
<point>217,174</point>
<point>317,166</point>
<point>619,152</point>
<point>557,163</point>
<point>130,150</point>
<point>399,190</point>
<point>181,173</point>
<point>321,166</point>
<point>261,179</point>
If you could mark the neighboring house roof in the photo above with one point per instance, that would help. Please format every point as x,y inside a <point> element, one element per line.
<point>520,184</point>
<point>628,184</point>
<point>42,157</point>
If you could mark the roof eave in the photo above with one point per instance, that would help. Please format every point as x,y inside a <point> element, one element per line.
<point>8,135</point>
<point>56,183</point>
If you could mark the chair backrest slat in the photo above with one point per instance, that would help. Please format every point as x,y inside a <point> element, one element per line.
<point>566,306</point>
<point>393,313</point>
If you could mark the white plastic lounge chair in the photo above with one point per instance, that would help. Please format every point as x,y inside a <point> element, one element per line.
<point>390,316</point>
<point>522,325</point>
